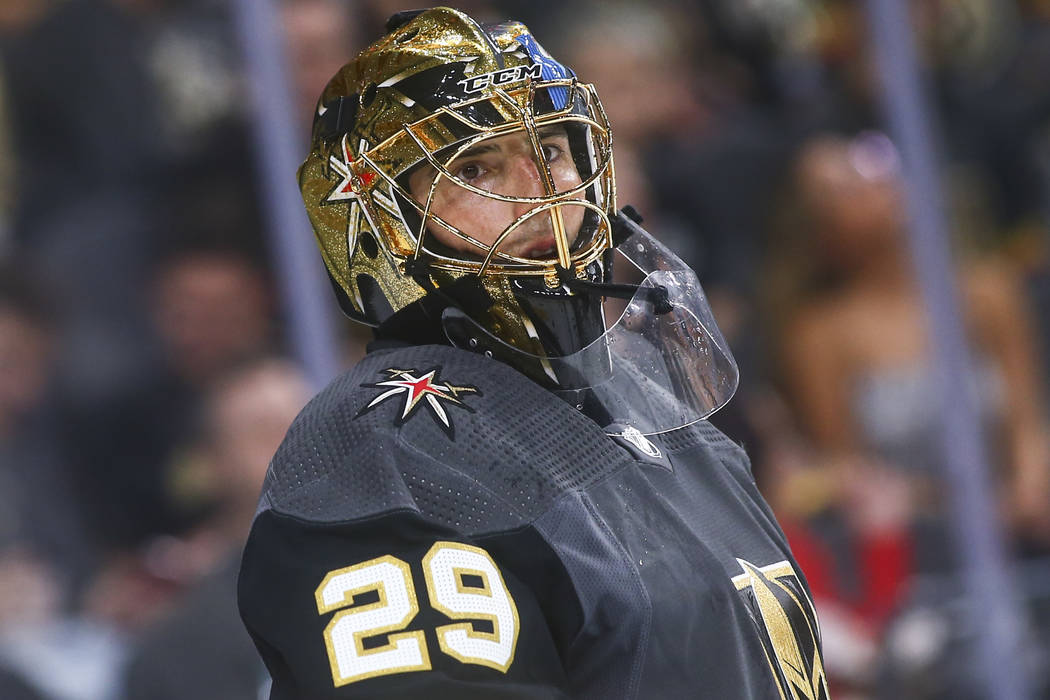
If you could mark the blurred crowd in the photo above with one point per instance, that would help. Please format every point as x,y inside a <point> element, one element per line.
<point>145,376</point>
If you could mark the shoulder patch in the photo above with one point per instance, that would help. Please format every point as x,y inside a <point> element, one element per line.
<point>420,388</point>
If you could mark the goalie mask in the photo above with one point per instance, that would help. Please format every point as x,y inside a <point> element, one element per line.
<point>460,179</point>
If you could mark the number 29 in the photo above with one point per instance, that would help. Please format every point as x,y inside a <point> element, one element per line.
<point>462,582</point>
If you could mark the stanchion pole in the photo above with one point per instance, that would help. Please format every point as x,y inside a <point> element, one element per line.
<point>993,608</point>
<point>305,292</point>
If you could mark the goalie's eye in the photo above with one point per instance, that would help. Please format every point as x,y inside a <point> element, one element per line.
<point>469,172</point>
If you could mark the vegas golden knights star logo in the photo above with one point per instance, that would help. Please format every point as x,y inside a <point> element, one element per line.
<point>421,388</point>
<point>783,611</point>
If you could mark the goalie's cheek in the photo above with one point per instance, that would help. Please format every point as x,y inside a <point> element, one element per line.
<point>481,217</point>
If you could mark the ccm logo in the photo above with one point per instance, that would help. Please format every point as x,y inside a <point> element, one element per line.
<point>504,76</point>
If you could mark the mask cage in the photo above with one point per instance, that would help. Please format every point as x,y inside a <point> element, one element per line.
<point>439,139</point>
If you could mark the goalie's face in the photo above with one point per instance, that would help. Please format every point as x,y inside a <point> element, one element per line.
<point>505,166</point>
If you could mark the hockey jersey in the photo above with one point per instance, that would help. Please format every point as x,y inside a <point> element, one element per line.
<point>436,525</point>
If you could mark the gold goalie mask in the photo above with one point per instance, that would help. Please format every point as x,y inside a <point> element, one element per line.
<point>460,184</point>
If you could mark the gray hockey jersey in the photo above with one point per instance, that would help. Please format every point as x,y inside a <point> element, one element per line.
<point>436,525</point>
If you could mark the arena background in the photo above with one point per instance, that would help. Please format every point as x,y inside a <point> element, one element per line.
<point>163,316</point>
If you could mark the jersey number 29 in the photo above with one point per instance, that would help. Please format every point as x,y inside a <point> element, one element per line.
<point>462,582</point>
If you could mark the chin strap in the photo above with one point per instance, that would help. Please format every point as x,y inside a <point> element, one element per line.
<point>624,224</point>
<point>657,296</point>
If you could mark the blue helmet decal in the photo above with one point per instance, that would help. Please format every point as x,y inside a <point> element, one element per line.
<point>550,69</point>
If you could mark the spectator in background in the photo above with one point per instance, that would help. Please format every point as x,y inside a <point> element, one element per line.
<point>855,325</point>
<point>248,413</point>
<point>42,553</point>
<point>853,355</point>
<point>45,557</point>
<point>29,580</point>
<point>211,310</point>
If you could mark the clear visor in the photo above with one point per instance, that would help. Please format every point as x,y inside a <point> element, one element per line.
<point>654,369</point>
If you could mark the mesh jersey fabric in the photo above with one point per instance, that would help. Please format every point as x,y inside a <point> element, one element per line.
<point>632,579</point>
<point>512,456</point>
